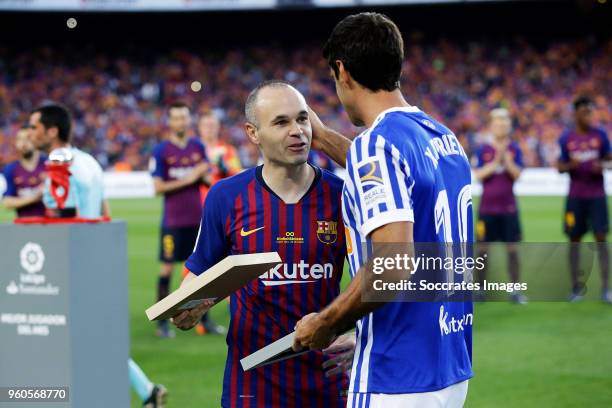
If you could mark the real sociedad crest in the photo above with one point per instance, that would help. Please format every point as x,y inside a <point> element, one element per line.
<point>327,231</point>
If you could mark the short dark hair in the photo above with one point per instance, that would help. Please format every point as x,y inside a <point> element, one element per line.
<point>177,105</point>
<point>371,48</point>
<point>56,115</point>
<point>582,100</point>
<point>249,106</point>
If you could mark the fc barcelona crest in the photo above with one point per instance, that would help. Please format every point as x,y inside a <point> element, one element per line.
<point>327,231</point>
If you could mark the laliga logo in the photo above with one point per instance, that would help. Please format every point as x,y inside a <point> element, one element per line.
<point>32,257</point>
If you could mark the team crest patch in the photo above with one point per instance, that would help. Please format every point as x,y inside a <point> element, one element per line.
<point>327,231</point>
<point>372,183</point>
<point>428,123</point>
<point>370,176</point>
<point>196,157</point>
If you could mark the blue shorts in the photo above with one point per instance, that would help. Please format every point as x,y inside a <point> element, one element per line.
<point>582,214</point>
<point>498,228</point>
<point>176,243</point>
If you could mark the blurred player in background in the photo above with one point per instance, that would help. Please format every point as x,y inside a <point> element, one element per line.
<point>222,156</point>
<point>584,149</point>
<point>285,205</point>
<point>179,166</point>
<point>408,181</point>
<point>24,178</point>
<point>51,129</point>
<point>499,165</point>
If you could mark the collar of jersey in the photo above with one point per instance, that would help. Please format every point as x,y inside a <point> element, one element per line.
<point>406,109</point>
<point>260,179</point>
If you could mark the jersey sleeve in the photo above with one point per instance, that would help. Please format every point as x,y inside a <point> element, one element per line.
<point>11,189</point>
<point>518,155</point>
<point>156,164</point>
<point>211,244</point>
<point>564,155</point>
<point>382,182</point>
<point>605,145</point>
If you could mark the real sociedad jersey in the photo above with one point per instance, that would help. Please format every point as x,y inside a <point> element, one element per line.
<point>243,216</point>
<point>408,167</point>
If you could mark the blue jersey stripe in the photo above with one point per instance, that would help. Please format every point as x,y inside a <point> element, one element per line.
<point>397,196</point>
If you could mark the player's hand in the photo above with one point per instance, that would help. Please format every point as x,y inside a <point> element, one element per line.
<point>187,319</point>
<point>312,333</point>
<point>500,151</point>
<point>341,354</point>
<point>508,159</point>
<point>318,129</point>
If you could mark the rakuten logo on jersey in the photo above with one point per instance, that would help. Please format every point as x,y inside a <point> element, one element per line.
<point>179,173</point>
<point>287,274</point>
<point>453,325</point>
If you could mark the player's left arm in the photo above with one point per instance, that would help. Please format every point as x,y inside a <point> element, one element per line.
<point>318,330</point>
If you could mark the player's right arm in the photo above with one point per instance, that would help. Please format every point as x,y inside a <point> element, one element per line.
<point>326,139</point>
<point>565,163</point>
<point>211,247</point>
<point>11,200</point>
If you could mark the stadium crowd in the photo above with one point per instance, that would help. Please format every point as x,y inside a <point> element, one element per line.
<point>119,101</point>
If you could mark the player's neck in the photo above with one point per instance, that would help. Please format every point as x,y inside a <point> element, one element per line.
<point>180,141</point>
<point>582,130</point>
<point>290,183</point>
<point>372,104</point>
<point>31,162</point>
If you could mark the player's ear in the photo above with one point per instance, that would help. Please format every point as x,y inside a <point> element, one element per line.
<point>251,131</point>
<point>344,76</point>
<point>53,133</point>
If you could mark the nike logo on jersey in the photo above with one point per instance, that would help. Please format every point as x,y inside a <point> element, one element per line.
<point>244,233</point>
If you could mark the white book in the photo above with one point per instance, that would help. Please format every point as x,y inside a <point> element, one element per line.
<point>216,283</point>
<point>278,351</point>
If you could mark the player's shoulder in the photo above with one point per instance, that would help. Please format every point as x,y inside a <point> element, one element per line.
<point>565,134</point>
<point>601,132</point>
<point>9,169</point>
<point>85,165</point>
<point>160,147</point>
<point>196,142</point>
<point>231,186</point>
<point>514,145</point>
<point>335,182</point>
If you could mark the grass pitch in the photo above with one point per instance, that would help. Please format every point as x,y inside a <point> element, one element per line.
<point>538,355</point>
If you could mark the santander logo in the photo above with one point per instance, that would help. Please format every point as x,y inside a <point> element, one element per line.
<point>287,274</point>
